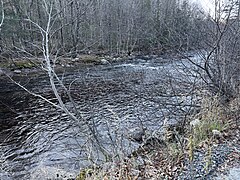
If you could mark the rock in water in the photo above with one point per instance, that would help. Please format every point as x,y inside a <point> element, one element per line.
<point>136,134</point>
<point>17,71</point>
<point>104,61</point>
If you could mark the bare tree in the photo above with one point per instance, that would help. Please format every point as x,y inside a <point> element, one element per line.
<point>103,24</point>
<point>3,14</point>
<point>220,54</point>
<point>47,32</point>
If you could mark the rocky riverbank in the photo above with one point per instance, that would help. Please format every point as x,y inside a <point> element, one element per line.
<point>24,65</point>
<point>175,155</point>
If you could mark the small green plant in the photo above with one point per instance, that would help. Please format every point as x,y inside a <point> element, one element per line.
<point>84,174</point>
<point>174,149</point>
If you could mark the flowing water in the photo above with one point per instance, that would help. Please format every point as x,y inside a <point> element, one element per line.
<point>34,136</point>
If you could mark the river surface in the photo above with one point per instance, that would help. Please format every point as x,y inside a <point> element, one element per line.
<point>35,137</point>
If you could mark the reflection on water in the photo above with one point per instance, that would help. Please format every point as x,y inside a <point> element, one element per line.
<point>115,98</point>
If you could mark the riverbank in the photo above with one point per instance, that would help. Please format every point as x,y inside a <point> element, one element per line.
<point>28,66</point>
<point>208,149</point>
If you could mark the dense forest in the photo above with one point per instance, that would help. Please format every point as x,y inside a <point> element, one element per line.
<point>97,25</point>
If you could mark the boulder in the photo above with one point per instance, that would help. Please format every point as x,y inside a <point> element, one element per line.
<point>104,61</point>
<point>136,134</point>
<point>216,133</point>
<point>195,122</point>
<point>17,71</point>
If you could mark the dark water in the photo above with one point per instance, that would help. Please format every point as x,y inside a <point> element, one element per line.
<point>34,136</point>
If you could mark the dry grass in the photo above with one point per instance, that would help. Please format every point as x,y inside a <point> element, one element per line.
<point>210,120</point>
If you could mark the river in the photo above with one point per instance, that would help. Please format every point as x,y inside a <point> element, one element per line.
<point>36,138</point>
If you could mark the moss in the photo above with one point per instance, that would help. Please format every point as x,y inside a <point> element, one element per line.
<point>18,64</point>
<point>89,58</point>
<point>24,64</point>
